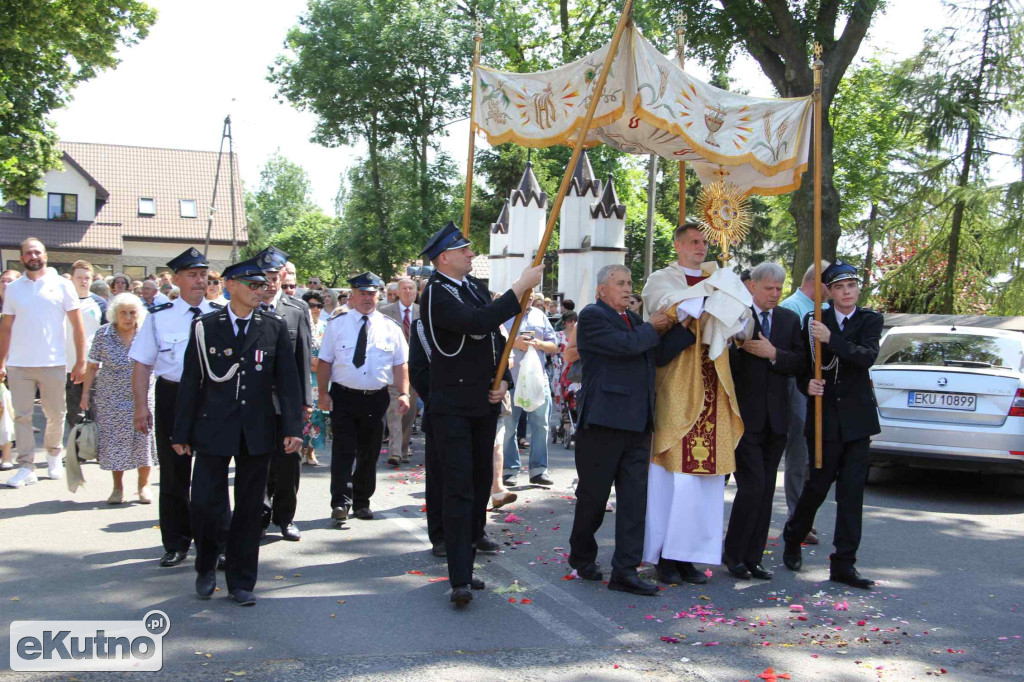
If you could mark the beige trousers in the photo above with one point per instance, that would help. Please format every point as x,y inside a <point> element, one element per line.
<point>400,426</point>
<point>51,382</point>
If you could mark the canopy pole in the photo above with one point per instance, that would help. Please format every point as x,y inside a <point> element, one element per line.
<point>478,38</point>
<point>818,65</point>
<point>556,207</point>
<point>681,56</point>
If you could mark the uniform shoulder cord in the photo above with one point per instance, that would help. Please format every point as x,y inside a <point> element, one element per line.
<point>204,362</point>
<point>430,323</point>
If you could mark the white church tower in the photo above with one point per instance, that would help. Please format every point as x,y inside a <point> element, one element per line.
<point>499,280</point>
<point>608,243</point>
<point>574,227</point>
<point>527,215</point>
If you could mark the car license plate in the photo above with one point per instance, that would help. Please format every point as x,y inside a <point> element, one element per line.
<point>942,401</point>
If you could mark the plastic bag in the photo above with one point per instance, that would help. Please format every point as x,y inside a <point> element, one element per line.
<point>531,389</point>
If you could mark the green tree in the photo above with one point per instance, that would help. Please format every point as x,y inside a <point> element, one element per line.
<point>283,196</point>
<point>962,90</point>
<point>47,48</point>
<point>314,243</point>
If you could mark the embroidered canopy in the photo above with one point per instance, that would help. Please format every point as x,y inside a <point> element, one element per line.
<point>652,106</point>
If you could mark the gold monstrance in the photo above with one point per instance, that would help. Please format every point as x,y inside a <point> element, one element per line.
<point>724,216</point>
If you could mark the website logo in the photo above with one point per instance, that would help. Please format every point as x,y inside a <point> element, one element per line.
<point>89,645</point>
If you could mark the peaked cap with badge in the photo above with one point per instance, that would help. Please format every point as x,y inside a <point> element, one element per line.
<point>837,272</point>
<point>448,238</point>
<point>271,259</point>
<point>187,259</point>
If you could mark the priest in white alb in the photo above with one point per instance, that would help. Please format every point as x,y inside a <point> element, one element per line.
<point>697,420</point>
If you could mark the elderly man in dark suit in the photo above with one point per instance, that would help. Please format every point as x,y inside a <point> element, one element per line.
<point>761,366</point>
<point>404,311</point>
<point>616,414</point>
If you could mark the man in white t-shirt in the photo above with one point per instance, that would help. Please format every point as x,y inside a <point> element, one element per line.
<point>32,344</point>
<point>92,318</point>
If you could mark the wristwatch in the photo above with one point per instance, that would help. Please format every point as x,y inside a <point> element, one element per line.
<point>404,394</point>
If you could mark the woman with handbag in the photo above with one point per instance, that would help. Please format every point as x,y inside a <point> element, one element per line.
<point>120,447</point>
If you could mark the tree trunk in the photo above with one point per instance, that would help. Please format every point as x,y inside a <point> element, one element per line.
<point>801,207</point>
<point>563,20</point>
<point>424,183</point>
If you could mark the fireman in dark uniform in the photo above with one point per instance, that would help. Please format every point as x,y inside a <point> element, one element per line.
<point>849,338</point>
<point>461,324</point>
<point>237,359</point>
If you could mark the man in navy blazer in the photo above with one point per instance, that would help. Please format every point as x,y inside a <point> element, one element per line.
<point>615,410</point>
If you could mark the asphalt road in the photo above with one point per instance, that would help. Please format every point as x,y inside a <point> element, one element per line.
<point>369,601</point>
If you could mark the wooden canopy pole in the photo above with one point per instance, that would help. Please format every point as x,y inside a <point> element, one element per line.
<point>681,56</point>
<point>478,38</point>
<point>818,66</point>
<point>577,149</point>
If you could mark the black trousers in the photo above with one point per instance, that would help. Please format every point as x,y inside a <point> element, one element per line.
<point>604,457</point>
<point>175,473</point>
<point>433,469</point>
<point>846,464</point>
<point>209,502</point>
<point>757,464</point>
<point>466,448</point>
<point>357,422</point>
<point>282,484</point>
<point>73,396</point>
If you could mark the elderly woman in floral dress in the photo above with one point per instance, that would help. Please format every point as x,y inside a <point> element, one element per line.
<point>108,382</point>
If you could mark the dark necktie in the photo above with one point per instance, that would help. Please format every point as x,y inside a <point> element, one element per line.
<point>196,312</point>
<point>766,324</point>
<point>360,355</point>
<point>240,336</point>
<point>625,318</point>
<point>406,323</point>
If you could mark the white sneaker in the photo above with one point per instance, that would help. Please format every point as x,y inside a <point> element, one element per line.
<point>54,467</point>
<point>22,478</point>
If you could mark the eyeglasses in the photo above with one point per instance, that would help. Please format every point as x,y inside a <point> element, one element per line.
<point>256,286</point>
<point>315,306</point>
<point>214,282</point>
<point>288,286</point>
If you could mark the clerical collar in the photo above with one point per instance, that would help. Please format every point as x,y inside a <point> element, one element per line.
<point>691,272</point>
<point>458,282</point>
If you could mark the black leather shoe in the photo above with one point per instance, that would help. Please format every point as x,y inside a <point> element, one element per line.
<point>485,545</point>
<point>242,597</point>
<point>206,584</point>
<point>668,572</point>
<point>850,576</point>
<point>291,533</point>
<point>690,574</point>
<point>461,595</point>
<point>739,571</point>
<point>632,584</point>
<point>339,514</point>
<point>477,584</point>
<point>761,573</point>
<point>364,513</point>
<point>172,558</point>
<point>222,562</point>
<point>438,549</point>
<point>792,557</point>
<point>541,479</point>
<point>590,572</point>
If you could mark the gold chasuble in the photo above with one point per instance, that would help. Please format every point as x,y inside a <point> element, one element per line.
<point>697,420</point>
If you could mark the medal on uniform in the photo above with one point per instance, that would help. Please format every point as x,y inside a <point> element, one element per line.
<point>259,359</point>
<point>227,352</point>
<point>213,350</point>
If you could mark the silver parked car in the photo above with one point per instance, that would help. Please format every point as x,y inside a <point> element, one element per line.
<point>950,397</point>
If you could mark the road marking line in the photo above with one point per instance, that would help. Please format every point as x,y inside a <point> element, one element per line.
<point>539,614</point>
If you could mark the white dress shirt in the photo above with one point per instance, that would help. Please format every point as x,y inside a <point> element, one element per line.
<point>163,338</point>
<point>841,318</point>
<point>385,348</point>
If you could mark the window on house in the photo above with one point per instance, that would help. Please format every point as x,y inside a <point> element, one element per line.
<point>134,271</point>
<point>147,206</point>
<point>61,206</point>
<point>188,208</point>
<point>15,265</point>
<point>103,269</point>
